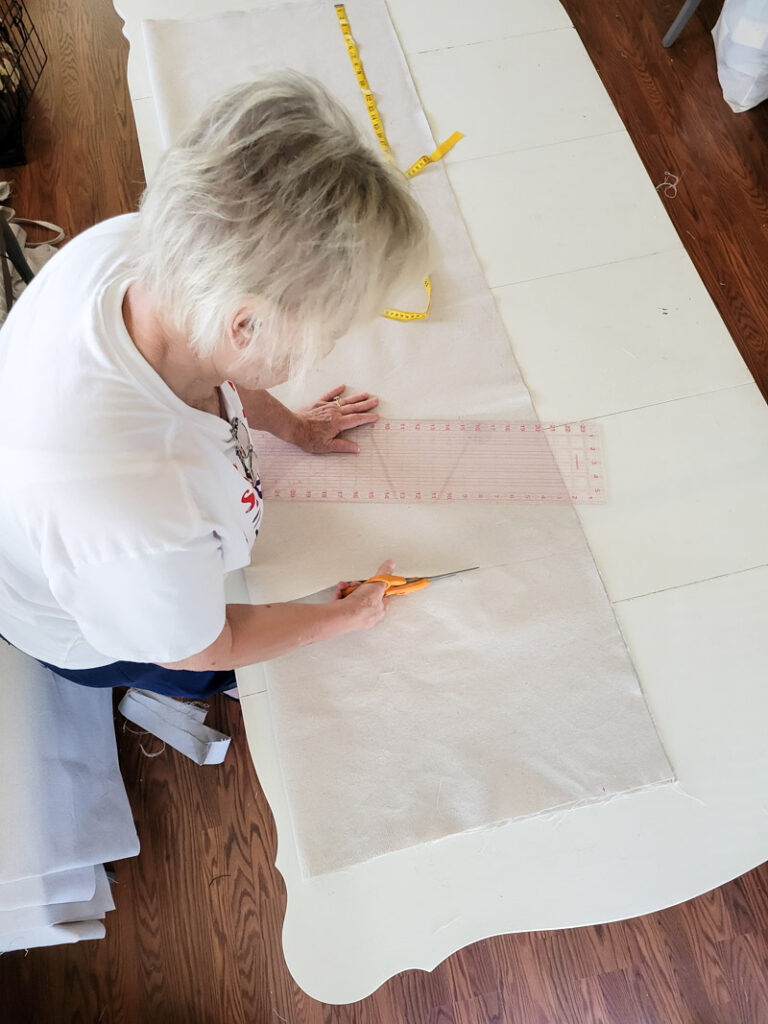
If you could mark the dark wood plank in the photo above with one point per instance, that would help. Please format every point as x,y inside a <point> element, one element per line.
<point>594,1007</point>
<point>490,1008</point>
<point>196,937</point>
<point>619,999</point>
<point>83,157</point>
<point>748,904</point>
<point>747,967</point>
<point>585,952</point>
<point>708,921</point>
<point>669,974</point>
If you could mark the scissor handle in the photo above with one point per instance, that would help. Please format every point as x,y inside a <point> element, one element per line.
<point>407,588</point>
<point>396,585</point>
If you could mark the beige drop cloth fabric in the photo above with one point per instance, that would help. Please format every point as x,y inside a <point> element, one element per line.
<point>495,695</point>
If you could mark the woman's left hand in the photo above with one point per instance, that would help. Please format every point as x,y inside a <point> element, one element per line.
<point>320,425</point>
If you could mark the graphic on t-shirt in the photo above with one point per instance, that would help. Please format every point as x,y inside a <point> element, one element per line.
<point>252,498</point>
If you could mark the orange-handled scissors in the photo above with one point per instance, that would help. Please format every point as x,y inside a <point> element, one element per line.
<point>398,586</point>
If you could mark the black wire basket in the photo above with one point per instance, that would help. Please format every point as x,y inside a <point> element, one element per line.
<point>22,59</point>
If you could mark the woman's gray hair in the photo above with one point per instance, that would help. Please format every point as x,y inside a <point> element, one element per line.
<point>275,195</point>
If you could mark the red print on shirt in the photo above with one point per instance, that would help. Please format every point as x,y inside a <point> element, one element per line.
<point>249,499</point>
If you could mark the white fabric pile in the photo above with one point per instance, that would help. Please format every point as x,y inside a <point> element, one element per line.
<point>741,46</point>
<point>63,808</point>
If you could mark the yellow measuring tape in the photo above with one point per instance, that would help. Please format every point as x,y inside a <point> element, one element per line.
<point>404,316</point>
<point>362,81</point>
<point>381,135</point>
<point>439,153</point>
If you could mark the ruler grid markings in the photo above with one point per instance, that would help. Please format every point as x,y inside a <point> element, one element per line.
<point>415,461</point>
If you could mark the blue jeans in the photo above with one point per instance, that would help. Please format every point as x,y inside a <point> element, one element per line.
<point>171,682</point>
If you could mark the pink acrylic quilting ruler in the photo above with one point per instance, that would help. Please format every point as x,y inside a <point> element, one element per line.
<point>421,461</point>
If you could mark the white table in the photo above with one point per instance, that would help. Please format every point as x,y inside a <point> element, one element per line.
<point>605,327</point>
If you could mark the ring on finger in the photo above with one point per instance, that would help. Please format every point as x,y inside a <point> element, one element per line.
<point>337,401</point>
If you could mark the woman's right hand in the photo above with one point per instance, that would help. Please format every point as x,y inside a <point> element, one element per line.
<point>366,605</point>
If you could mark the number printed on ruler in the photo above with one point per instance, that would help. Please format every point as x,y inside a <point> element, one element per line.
<point>421,461</point>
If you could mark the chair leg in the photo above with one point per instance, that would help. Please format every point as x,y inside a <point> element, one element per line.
<point>677,26</point>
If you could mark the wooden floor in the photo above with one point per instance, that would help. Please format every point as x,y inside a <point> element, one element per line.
<point>196,935</point>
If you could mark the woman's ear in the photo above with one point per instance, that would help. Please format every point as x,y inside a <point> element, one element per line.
<point>243,327</point>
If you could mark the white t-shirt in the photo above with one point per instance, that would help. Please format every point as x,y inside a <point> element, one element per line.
<point>121,507</point>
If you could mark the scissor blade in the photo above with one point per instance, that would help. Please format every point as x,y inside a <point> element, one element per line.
<point>456,572</point>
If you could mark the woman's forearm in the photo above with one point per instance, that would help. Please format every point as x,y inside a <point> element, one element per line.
<point>264,412</point>
<point>263,632</point>
<point>259,632</point>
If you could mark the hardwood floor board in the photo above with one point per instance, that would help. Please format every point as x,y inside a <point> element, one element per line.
<point>594,1007</point>
<point>749,901</point>
<point>250,966</point>
<point>475,972</point>
<point>497,982</point>
<point>676,931</point>
<point>222,889</point>
<point>287,999</point>
<point>444,1014</point>
<point>713,914</point>
<point>411,995</point>
<point>158,775</point>
<point>489,1008</point>
<point>514,966</point>
<point>120,999</point>
<point>651,976</point>
<point>662,981</point>
<point>237,898</point>
<point>583,952</point>
<point>83,158</point>
<point>540,995</point>
<point>746,960</point>
<point>709,923</point>
<point>552,988</point>
<point>175,913</point>
<point>185,987</point>
<point>251,837</point>
<point>621,1005</point>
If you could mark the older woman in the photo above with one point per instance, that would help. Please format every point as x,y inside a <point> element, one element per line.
<point>132,366</point>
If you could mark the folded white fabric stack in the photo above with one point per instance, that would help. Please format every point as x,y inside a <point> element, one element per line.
<point>63,807</point>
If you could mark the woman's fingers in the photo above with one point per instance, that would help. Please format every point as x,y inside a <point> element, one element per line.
<point>343,446</point>
<point>360,403</point>
<point>353,405</point>
<point>358,420</point>
<point>334,393</point>
<point>330,415</point>
<point>386,569</point>
<point>362,397</point>
<point>351,402</point>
